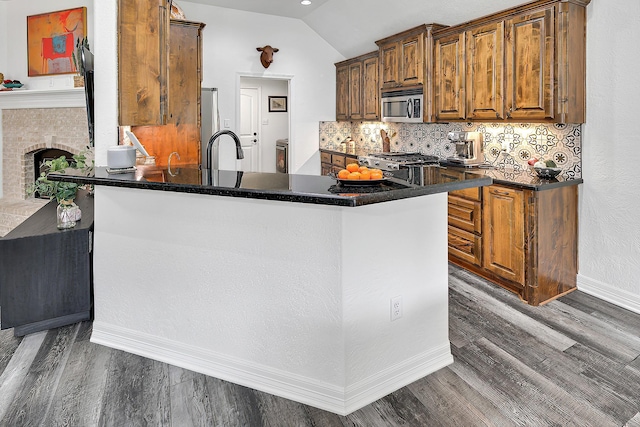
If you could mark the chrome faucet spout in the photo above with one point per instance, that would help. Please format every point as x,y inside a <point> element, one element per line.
<point>213,140</point>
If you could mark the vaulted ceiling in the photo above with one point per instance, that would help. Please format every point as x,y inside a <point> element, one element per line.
<point>353,26</point>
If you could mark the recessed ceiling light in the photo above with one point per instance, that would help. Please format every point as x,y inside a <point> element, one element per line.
<point>306,2</point>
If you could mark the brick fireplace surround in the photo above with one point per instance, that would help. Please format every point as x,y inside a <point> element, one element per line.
<point>32,121</point>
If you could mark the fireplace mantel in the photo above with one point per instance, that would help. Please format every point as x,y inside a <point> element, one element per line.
<point>60,98</point>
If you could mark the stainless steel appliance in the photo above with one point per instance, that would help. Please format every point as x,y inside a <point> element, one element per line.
<point>210,120</point>
<point>469,148</point>
<point>403,106</point>
<point>282,155</point>
<point>406,166</point>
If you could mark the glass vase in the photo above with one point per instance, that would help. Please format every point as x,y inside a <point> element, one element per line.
<point>67,214</point>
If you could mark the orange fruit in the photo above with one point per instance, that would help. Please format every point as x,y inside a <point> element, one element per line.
<point>353,167</point>
<point>354,175</point>
<point>365,175</point>
<point>363,168</point>
<point>343,174</point>
<point>376,170</point>
<point>376,175</point>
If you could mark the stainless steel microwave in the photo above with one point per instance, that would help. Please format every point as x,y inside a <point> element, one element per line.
<point>403,106</point>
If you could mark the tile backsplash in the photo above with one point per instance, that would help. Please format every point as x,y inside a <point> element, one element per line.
<point>505,145</point>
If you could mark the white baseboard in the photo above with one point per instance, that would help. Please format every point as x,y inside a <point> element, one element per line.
<point>604,291</point>
<point>309,391</point>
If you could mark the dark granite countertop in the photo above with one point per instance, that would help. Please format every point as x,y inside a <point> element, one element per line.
<point>525,178</point>
<point>314,189</point>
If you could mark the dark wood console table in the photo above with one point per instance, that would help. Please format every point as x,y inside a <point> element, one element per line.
<point>46,273</point>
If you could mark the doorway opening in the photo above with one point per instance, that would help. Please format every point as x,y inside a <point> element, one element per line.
<point>263,121</point>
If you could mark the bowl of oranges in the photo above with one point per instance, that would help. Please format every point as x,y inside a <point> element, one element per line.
<point>355,174</point>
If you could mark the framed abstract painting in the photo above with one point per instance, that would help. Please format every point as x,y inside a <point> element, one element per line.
<point>51,40</point>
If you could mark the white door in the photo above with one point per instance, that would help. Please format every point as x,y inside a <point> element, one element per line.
<point>249,129</point>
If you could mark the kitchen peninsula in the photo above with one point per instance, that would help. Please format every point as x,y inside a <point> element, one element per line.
<point>279,282</point>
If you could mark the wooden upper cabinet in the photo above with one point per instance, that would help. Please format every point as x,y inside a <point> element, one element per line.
<point>143,37</point>
<point>522,64</point>
<point>530,41</point>
<point>357,88</point>
<point>342,92</point>
<point>449,77</point>
<point>485,72</point>
<point>355,91</point>
<point>370,89</point>
<point>181,133</point>
<point>503,232</point>
<point>402,58</point>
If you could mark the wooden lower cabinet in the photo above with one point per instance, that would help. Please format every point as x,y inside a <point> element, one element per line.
<point>332,162</point>
<point>525,241</point>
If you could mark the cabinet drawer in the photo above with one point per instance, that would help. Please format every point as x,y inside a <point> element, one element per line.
<point>325,157</point>
<point>465,214</point>
<point>469,193</point>
<point>464,245</point>
<point>338,161</point>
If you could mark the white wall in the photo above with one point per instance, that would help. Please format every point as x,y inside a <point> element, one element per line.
<point>230,40</point>
<point>610,203</point>
<point>274,125</point>
<point>4,7</point>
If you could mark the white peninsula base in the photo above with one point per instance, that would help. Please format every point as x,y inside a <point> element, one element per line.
<point>289,298</point>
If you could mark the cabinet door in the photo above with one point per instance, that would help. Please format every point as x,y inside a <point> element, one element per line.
<point>355,91</point>
<point>530,42</point>
<point>449,75</point>
<point>503,232</point>
<point>342,92</point>
<point>181,134</point>
<point>143,37</point>
<point>370,90</point>
<point>412,60</point>
<point>485,72</point>
<point>389,55</point>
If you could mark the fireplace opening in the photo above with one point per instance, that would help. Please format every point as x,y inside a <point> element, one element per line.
<point>41,157</point>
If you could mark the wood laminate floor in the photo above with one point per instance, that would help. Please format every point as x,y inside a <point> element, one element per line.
<point>573,362</point>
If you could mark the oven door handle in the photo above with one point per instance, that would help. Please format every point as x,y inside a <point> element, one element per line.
<point>409,108</point>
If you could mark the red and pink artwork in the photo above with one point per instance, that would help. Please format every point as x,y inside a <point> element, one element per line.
<point>51,39</point>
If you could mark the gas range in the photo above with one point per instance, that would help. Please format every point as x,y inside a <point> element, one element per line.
<point>396,161</point>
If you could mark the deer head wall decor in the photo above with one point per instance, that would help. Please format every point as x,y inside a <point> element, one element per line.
<point>266,57</point>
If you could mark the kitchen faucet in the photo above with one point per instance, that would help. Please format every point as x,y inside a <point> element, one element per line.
<point>214,138</point>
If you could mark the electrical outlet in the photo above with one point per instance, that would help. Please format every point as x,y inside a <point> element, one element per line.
<point>396,308</point>
<point>227,123</point>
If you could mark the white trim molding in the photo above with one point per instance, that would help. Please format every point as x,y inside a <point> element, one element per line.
<point>61,98</point>
<point>309,391</point>
<point>606,292</point>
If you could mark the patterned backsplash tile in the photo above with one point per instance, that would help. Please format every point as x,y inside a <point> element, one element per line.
<point>505,145</point>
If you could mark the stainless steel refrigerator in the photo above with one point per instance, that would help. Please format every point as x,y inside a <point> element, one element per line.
<point>210,121</point>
